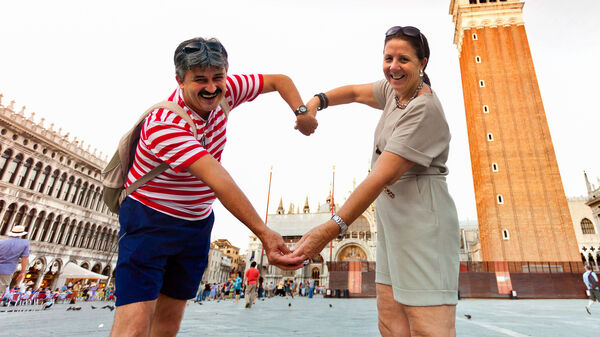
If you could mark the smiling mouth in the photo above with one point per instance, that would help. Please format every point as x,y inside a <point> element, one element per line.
<point>398,77</point>
<point>208,95</point>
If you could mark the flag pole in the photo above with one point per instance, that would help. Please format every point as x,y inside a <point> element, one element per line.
<point>262,250</point>
<point>332,212</point>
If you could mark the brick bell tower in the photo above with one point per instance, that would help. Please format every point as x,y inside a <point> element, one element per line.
<point>521,205</point>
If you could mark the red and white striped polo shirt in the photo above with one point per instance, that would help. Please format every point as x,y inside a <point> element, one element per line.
<point>167,137</point>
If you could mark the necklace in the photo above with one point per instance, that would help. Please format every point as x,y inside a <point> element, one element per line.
<point>402,106</point>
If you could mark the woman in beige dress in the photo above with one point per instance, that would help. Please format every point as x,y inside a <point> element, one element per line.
<point>417,224</point>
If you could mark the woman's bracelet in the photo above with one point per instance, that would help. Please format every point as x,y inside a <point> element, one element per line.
<point>323,101</point>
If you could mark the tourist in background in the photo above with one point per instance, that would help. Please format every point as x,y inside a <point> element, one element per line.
<point>206,292</point>
<point>237,286</point>
<point>11,250</point>
<point>252,275</point>
<point>261,289</point>
<point>593,285</point>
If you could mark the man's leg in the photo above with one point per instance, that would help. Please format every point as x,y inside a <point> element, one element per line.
<point>167,316</point>
<point>392,320</point>
<point>249,294</point>
<point>133,319</point>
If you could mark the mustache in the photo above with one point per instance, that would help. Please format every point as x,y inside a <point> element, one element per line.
<point>205,92</point>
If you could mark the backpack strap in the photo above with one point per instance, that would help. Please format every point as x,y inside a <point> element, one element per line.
<point>171,106</point>
<point>225,107</point>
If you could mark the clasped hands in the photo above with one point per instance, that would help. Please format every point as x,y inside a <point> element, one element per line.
<point>306,124</point>
<point>310,245</point>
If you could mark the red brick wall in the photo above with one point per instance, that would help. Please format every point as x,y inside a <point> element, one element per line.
<point>478,280</point>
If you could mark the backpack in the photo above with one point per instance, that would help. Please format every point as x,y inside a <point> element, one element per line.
<point>114,175</point>
<point>592,281</point>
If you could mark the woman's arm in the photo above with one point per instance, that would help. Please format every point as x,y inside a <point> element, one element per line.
<point>387,170</point>
<point>358,93</point>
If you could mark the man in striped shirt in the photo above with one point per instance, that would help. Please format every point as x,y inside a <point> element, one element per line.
<point>166,223</point>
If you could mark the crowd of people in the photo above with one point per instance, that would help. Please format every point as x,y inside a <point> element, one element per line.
<point>287,288</point>
<point>46,297</point>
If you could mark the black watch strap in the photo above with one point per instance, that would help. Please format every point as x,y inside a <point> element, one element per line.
<point>302,109</point>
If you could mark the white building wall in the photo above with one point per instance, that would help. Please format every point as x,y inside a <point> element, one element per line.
<point>33,160</point>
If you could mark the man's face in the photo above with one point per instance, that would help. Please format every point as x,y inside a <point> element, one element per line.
<point>203,88</point>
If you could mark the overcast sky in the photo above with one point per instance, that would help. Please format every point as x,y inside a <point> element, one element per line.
<point>93,68</point>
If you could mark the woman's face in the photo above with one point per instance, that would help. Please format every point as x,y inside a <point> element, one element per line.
<point>401,66</point>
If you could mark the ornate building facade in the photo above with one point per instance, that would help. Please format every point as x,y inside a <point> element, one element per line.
<point>521,205</point>
<point>51,185</point>
<point>586,227</point>
<point>230,251</point>
<point>357,246</point>
<point>218,268</point>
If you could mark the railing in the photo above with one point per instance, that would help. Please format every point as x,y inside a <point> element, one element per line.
<point>522,267</point>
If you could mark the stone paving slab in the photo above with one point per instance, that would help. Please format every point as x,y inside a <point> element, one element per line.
<point>315,317</point>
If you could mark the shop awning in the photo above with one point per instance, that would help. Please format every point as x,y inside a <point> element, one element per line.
<point>71,270</point>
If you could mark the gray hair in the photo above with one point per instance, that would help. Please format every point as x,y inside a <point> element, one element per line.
<point>207,56</point>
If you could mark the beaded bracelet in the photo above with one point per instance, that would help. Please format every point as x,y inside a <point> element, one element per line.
<point>323,101</point>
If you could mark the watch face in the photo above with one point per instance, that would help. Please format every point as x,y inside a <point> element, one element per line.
<point>302,109</point>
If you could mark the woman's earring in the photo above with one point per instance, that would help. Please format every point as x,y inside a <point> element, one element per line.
<point>421,74</point>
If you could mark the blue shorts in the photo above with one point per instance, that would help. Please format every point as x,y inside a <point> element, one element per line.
<point>159,253</point>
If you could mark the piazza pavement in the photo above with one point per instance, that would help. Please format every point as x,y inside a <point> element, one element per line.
<point>315,317</point>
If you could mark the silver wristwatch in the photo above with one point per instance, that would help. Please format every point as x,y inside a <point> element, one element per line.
<point>341,223</point>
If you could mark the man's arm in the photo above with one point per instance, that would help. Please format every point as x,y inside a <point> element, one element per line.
<point>287,90</point>
<point>24,265</point>
<point>231,196</point>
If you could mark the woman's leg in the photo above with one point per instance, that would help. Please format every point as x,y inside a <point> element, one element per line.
<point>392,320</point>
<point>396,319</point>
<point>436,320</point>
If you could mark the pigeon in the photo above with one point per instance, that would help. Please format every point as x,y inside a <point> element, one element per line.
<point>468,316</point>
<point>77,308</point>
<point>109,307</point>
<point>69,308</point>
<point>289,304</point>
<point>331,306</point>
<point>200,303</point>
<point>93,307</point>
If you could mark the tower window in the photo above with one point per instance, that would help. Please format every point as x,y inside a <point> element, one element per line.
<point>477,59</point>
<point>486,109</point>
<point>494,167</point>
<point>505,234</point>
<point>500,199</point>
<point>490,137</point>
<point>481,83</point>
<point>474,36</point>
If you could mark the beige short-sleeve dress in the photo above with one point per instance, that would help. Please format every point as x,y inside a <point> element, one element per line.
<point>417,224</point>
